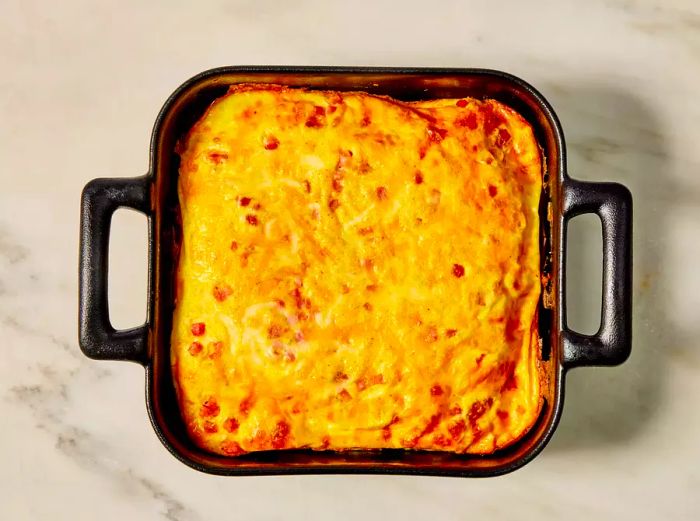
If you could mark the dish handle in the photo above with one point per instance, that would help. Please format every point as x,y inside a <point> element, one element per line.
<point>611,345</point>
<point>97,338</point>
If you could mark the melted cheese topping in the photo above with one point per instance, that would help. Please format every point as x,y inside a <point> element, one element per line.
<point>357,272</point>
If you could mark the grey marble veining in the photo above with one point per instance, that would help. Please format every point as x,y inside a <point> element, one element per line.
<point>80,88</point>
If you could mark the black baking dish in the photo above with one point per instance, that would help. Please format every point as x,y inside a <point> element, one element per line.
<point>155,195</point>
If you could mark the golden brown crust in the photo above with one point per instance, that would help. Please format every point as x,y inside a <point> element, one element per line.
<point>357,272</point>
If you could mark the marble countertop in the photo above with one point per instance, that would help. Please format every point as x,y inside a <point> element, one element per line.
<point>80,87</point>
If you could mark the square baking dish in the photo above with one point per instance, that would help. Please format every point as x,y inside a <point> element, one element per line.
<point>155,194</point>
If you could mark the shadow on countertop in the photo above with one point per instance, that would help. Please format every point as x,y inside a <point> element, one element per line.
<point>613,136</point>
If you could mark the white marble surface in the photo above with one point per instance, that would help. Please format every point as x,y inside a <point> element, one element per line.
<point>80,85</point>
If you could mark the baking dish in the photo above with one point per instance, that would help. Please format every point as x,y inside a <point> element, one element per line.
<point>155,195</point>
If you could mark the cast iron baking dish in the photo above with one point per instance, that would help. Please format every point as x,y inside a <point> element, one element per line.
<point>155,195</point>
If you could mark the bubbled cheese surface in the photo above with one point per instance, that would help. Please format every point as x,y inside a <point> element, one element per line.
<point>357,272</point>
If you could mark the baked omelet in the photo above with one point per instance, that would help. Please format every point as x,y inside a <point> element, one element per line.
<point>357,272</point>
